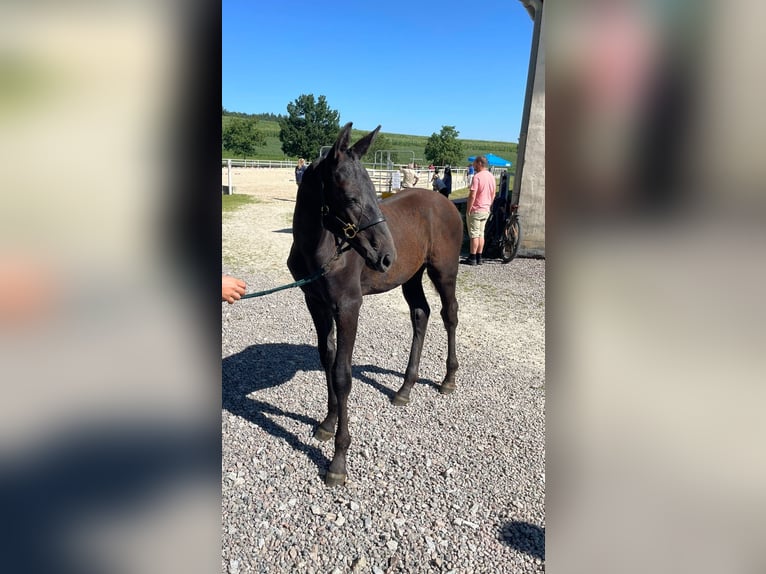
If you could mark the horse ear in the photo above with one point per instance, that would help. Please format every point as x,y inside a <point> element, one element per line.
<point>360,148</point>
<point>341,144</point>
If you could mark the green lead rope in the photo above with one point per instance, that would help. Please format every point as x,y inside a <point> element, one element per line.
<point>321,271</point>
<point>314,277</point>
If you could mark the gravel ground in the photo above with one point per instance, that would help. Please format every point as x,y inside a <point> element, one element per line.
<point>447,483</point>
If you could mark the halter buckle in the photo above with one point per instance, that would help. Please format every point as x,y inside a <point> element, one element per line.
<point>350,231</point>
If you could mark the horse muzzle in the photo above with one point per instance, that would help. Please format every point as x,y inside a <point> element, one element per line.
<point>377,246</point>
<point>380,261</point>
<point>385,262</point>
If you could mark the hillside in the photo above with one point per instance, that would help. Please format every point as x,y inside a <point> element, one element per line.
<point>399,143</point>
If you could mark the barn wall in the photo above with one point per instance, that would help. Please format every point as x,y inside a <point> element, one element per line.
<point>532,190</point>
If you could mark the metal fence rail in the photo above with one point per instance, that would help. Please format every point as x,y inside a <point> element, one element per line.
<point>381,178</point>
<point>258,162</point>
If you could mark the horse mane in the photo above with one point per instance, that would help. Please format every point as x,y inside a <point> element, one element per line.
<point>310,176</point>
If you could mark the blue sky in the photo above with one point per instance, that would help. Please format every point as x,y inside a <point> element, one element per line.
<point>410,66</point>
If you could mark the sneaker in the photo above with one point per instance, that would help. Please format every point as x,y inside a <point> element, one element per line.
<point>470,260</point>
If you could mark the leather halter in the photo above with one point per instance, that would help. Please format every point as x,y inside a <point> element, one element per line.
<point>349,230</point>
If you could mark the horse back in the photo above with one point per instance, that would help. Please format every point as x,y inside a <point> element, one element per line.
<point>426,228</point>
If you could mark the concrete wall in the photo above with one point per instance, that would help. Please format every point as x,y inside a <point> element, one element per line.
<point>532,191</point>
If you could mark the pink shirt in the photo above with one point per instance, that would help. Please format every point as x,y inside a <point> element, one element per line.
<point>484,185</point>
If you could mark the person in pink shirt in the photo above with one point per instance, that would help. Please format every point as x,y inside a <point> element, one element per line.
<point>477,208</point>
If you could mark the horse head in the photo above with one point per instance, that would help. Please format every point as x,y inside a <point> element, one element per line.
<point>350,206</point>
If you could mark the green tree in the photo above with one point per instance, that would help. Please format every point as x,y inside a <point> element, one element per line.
<point>444,148</point>
<point>242,137</point>
<point>308,125</point>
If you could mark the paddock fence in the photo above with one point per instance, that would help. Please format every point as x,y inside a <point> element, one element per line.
<point>384,180</point>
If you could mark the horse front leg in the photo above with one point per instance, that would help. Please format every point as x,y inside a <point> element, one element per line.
<point>347,320</point>
<point>324,324</point>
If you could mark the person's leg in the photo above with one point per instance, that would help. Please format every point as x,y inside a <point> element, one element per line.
<point>481,224</point>
<point>473,241</point>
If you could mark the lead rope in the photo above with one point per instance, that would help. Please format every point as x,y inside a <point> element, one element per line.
<point>319,273</point>
<point>349,231</point>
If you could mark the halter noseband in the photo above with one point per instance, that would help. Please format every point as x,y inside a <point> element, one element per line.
<point>349,230</point>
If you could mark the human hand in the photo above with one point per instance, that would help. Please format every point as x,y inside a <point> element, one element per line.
<point>28,289</point>
<point>232,289</point>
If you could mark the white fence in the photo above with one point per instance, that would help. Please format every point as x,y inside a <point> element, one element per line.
<point>258,163</point>
<point>381,178</point>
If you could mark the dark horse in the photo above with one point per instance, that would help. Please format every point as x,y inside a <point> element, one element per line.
<point>368,247</point>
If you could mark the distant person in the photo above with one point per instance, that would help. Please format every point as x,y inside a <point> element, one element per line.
<point>409,177</point>
<point>447,181</point>
<point>232,289</point>
<point>469,175</point>
<point>477,208</point>
<point>299,169</point>
<point>439,184</point>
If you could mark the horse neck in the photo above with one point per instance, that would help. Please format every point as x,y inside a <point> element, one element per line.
<point>309,234</point>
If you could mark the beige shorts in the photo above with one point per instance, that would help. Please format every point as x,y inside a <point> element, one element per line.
<point>476,222</point>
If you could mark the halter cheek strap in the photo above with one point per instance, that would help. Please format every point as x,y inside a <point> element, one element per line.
<point>348,229</point>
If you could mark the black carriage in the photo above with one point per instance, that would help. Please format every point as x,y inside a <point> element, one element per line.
<point>502,234</point>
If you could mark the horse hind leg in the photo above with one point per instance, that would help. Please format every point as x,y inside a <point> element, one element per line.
<point>419,313</point>
<point>445,282</point>
<point>325,328</point>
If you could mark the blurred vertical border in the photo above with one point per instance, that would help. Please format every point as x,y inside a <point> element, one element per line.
<point>109,269</point>
<point>655,282</point>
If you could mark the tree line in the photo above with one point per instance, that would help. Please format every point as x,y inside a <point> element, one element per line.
<point>311,123</point>
<point>267,116</point>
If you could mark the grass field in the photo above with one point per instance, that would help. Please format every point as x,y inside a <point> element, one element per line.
<point>399,142</point>
<point>232,202</point>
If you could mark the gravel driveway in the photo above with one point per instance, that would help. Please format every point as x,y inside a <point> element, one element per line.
<point>447,483</point>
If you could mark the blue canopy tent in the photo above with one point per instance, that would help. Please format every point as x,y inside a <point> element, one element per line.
<point>493,160</point>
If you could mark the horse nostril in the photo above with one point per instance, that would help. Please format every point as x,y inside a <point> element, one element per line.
<point>386,262</point>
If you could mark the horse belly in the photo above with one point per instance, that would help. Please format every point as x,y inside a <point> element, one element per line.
<point>374,282</point>
<point>425,227</point>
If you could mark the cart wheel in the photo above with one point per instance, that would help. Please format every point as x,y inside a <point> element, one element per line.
<point>512,239</point>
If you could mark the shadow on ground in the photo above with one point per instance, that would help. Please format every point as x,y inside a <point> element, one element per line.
<point>260,367</point>
<point>525,537</point>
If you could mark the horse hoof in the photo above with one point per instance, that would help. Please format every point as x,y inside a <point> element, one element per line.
<point>400,400</point>
<point>335,479</point>
<point>447,388</point>
<point>322,435</point>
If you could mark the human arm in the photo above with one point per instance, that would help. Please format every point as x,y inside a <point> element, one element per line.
<point>232,289</point>
<point>472,195</point>
<point>469,202</point>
